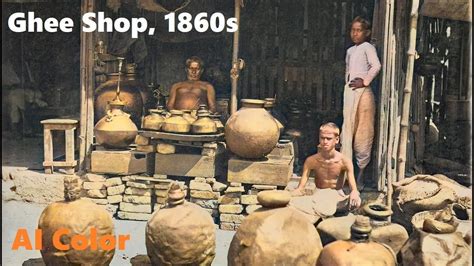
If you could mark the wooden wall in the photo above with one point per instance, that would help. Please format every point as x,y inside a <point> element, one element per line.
<point>295,50</point>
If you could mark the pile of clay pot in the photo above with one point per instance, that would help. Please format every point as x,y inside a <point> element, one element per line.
<point>183,233</point>
<point>183,121</point>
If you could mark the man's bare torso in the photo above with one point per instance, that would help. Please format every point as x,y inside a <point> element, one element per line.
<point>328,173</point>
<point>190,94</point>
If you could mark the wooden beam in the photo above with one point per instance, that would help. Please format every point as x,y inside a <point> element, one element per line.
<point>87,91</point>
<point>404,123</point>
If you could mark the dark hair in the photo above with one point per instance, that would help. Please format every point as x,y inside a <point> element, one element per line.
<point>365,25</point>
<point>364,22</point>
<point>195,59</point>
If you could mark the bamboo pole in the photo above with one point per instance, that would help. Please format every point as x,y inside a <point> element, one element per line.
<point>87,91</point>
<point>404,122</point>
<point>234,72</point>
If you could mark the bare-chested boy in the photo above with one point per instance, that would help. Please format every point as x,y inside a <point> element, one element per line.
<point>189,94</point>
<point>329,167</point>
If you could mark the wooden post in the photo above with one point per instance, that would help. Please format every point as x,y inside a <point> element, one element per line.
<point>87,91</point>
<point>234,73</point>
<point>404,123</point>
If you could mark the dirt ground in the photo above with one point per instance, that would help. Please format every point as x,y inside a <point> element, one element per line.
<point>19,214</point>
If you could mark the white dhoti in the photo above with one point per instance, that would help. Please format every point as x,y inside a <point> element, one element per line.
<point>322,204</point>
<point>357,135</point>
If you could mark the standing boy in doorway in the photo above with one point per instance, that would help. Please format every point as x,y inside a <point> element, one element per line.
<point>362,66</point>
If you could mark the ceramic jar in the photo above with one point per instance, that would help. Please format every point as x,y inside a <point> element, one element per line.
<point>182,233</point>
<point>79,217</point>
<point>251,132</point>
<point>176,123</point>
<point>204,124</point>
<point>154,120</point>
<point>359,250</point>
<point>274,235</point>
<point>115,130</point>
<point>383,231</point>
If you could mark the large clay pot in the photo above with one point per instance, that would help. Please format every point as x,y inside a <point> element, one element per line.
<point>115,130</point>
<point>154,120</point>
<point>251,133</point>
<point>78,216</point>
<point>357,251</point>
<point>176,123</point>
<point>182,233</point>
<point>133,92</point>
<point>274,235</point>
<point>383,231</point>
<point>434,241</point>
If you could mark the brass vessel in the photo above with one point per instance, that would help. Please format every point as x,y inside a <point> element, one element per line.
<point>176,123</point>
<point>154,120</point>
<point>134,93</point>
<point>115,130</point>
<point>204,124</point>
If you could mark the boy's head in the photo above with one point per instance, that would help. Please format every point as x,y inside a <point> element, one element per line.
<point>360,30</point>
<point>328,136</point>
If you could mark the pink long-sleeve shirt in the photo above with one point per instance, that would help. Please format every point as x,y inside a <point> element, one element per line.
<point>362,62</point>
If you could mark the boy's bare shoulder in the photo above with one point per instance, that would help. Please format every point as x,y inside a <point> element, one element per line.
<point>313,158</point>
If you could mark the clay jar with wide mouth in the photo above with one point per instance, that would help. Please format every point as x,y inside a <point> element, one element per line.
<point>251,132</point>
<point>176,123</point>
<point>154,120</point>
<point>204,124</point>
<point>115,130</point>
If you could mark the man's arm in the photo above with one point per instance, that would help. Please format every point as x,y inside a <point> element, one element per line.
<point>374,64</point>
<point>211,98</point>
<point>172,98</point>
<point>354,196</point>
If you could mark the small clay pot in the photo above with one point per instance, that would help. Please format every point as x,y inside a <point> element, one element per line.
<point>204,124</point>
<point>154,120</point>
<point>176,123</point>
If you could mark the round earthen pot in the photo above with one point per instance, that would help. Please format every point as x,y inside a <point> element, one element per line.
<point>274,236</point>
<point>79,217</point>
<point>251,133</point>
<point>182,233</point>
<point>154,120</point>
<point>383,231</point>
<point>115,130</point>
<point>176,123</point>
<point>204,124</point>
<point>359,250</point>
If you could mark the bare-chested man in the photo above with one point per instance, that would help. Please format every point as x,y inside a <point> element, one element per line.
<point>189,94</point>
<point>329,167</point>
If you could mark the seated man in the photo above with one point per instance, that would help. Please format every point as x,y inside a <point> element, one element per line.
<point>329,167</point>
<point>189,94</point>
